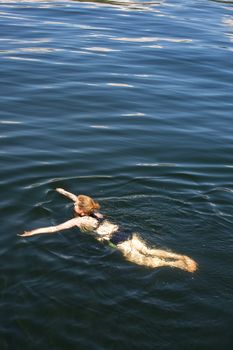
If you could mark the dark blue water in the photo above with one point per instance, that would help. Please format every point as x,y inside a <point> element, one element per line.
<point>130,102</point>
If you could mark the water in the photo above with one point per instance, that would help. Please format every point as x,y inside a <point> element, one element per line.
<point>130,102</point>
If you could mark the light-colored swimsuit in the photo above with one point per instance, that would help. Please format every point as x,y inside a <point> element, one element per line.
<point>105,231</point>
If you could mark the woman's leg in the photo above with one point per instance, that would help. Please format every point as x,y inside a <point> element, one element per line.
<point>171,259</point>
<point>144,249</point>
<point>135,250</point>
<point>133,255</point>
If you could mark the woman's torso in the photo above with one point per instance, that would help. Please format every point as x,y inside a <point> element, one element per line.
<point>104,230</point>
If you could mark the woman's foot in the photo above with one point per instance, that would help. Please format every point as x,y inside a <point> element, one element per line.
<point>190,264</point>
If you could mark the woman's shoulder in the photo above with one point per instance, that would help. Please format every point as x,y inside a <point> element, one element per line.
<point>86,221</point>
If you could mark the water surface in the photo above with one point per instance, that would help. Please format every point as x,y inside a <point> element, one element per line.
<point>130,102</point>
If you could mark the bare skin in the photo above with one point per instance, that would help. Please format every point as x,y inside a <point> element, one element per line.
<point>134,249</point>
<point>73,197</point>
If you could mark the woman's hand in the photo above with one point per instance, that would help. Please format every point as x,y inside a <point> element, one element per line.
<point>98,215</point>
<point>26,233</point>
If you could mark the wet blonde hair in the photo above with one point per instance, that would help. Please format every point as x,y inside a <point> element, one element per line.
<point>87,204</point>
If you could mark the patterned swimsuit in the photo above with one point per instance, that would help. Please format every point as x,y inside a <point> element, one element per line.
<point>117,237</point>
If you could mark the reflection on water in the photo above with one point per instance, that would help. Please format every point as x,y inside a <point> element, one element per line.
<point>134,5</point>
<point>223,1</point>
<point>115,2</point>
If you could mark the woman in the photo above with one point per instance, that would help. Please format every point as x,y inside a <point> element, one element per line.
<point>132,247</point>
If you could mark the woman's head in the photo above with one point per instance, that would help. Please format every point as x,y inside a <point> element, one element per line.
<point>86,205</point>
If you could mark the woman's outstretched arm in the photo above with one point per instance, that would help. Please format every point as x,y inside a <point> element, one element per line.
<point>52,229</point>
<point>70,195</point>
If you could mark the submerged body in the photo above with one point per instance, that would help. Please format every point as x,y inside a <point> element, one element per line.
<point>130,244</point>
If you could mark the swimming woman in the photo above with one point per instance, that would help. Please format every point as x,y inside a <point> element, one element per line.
<point>88,218</point>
